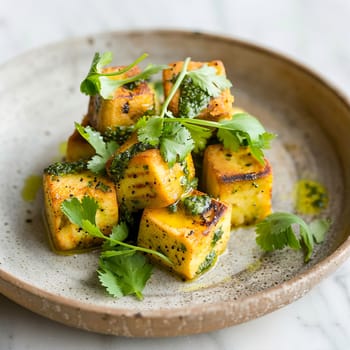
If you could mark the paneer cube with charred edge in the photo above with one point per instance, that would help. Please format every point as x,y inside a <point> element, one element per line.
<point>63,181</point>
<point>239,179</point>
<point>129,103</point>
<point>191,101</point>
<point>144,180</point>
<point>192,237</point>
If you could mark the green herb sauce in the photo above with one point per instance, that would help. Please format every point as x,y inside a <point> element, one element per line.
<point>207,263</point>
<point>192,99</point>
<point>99,186</point>
<point>31,187</point>
<point>65,168</point>
<point>119,134</point>
<point>121,160</point>
<point>196,205</point>
<point>217,236</point>
<point>311,197</point>
<point>173,207</point>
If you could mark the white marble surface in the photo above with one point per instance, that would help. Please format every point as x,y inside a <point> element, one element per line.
<point>315,32</point>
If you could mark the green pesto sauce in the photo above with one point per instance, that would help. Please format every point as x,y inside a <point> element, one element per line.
<point>196,205</point>
<point>119,134</point>
<point>65,168</point>
<point>186,181</point>
<point>311,197</point>
<point>207,263</point>
<point>99,186</point>
<point>31,187</point>
<point>217,236</point>
<point>120,161</point>
<point>192,99</point>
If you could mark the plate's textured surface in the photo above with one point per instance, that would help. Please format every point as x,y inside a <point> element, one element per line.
<point>40,100</point>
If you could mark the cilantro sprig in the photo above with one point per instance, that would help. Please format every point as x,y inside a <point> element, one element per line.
<point>97,82</point>
<point>123,269</point>
<point>177,137</point>
<point>104,150</point>
<point>280,230</point>
<point>242,130</point>
<point>208,80</point>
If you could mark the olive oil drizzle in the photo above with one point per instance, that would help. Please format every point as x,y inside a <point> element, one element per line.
<point>32,184</point>
<point>311,197</point>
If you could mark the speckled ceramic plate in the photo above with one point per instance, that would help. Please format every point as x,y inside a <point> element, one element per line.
<point>40,100</point>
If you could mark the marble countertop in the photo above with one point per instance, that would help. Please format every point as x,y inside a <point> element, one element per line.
<point>312,31</point>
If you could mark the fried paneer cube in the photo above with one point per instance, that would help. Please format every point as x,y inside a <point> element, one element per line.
<point>147,181</point>
<point>215,109</point>
<point>191,241</point>
<point>64,235</point>
<point>129,103</point>
<point>239,179</point>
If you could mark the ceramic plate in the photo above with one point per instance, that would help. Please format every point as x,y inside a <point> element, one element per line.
<point>39,102</point>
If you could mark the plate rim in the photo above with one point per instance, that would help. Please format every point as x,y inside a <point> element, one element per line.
<point>306,279</point>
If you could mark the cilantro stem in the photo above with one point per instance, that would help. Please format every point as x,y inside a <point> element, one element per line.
<point>200,122</point>
<point>94,231</point>
<point>175,87</point>
<point>139,295</point>
<point>141,249</point>
<point>127,68</point>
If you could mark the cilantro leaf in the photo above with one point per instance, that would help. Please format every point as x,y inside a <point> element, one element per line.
<point>244,123</point>
<point>174,140</point>
<point>125,274</point>
<point>277,231</point>
<point>245,130</point>
<point>175,143</point>
<point>92,229</point>
<point>208,80</point>
<point>91,84</point>
<point>104,150</point>
<point>97,82</point>
<point>108,86</point>
<point>319,229</point>
<point>110,281</point>
<point>230,139</point>
<point>149,130</point>
<point>77,211</point>
<point>199,135</point>
<point>119,234</point>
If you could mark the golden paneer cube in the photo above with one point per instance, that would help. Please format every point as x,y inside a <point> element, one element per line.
<point>216,109</point>
<point>192,241</point>
<point>77,147</point>
<point>64,235</point>
<point>129,103</point>
<point>239,179</point>
<point>147,181</point>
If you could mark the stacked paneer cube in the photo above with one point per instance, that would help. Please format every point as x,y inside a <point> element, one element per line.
<point>234,185</point>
